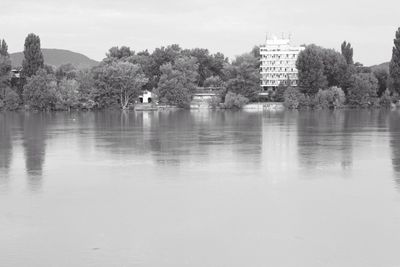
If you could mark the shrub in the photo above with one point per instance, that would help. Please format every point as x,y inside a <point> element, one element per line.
<point>363,89</point>
<point>214,102</point>
<point>331,98</point>
<point>234,101</point>
<point>40,91</point>
<point>293,98</point>
<point>11,100</point>
<point>385,100</point>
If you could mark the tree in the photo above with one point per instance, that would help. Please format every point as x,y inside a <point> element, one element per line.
<point>234,101</point>
<point>394,67</point>
<point>243,76</point>
<point>118,83</point>
<point>213,81</point>
<point>382,75</point>
<point>347,52</point>
<point>40,91</point>
<point>33,57</point>
<point>335,67</point>
<point>11,99</point>
<point>5,68</point>
<point>67,94</point>
<point>67,71</point>
<point>310,66</point>
<point>119,53</point>
<point>178,82</point>
<point>363,90</point>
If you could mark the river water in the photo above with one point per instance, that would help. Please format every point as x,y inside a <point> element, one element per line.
<point>200,188</point>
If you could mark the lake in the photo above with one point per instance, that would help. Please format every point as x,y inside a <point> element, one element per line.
<point>200,188</point>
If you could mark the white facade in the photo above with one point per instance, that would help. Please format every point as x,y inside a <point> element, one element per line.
<point>278,63</point>
<point>146,97</point>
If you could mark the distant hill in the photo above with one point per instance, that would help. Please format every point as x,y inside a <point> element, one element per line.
<point>58,57</point>
<point>384,66</point>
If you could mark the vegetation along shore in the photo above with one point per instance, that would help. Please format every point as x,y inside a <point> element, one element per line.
<point>327,79</point>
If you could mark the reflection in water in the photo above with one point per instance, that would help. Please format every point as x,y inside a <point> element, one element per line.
<point>174,136</point>
<point>394,128</point>
<point>5,146</point>
<point>166,188</point>
<point>324,138</point>
<point>34,127</point>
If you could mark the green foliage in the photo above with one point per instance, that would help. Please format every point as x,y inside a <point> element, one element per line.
<point>332,97</point>
<point>40,91</point>
<point>213,81</point>
<point>382,75</point>
<point>214,102</point>
<point>310,66</point>
<point>385,100</point>
<point>243,76</point>
<point>234,101</point>
<point>293,98</point>
<point>278,95</point>
<point>178,82</point>
<point>335,67</point>
<point>11,100</point>
<point>363,90</point>
<point>67,94</point>
<point>118,84</point>
<point>66,71</point>
<point>5,66</point>
<point>394,67</point>
<point>347,52</point>
<point>119,53</point>
<point>33,57</point>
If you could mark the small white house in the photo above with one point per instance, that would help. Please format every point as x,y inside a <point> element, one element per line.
<point>147,97</point>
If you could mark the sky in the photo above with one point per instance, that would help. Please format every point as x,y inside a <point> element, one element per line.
<point>91,27</point>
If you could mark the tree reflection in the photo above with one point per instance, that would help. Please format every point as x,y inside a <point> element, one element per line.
<point>34,127</point>
<point>5,146</point>
<point>394,128</point>
<point>325,138</point>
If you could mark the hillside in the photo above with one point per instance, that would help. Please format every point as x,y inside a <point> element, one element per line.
<point>57,57</point>
<point>384,66</point>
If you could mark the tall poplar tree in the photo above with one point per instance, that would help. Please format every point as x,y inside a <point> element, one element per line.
<point>394,67</point>
<point>33,60</point>
<point>347,52</point>
<point>5,68</point>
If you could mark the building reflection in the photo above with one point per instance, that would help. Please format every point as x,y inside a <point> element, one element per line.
<point>172,137</point>
<point>394,129</point>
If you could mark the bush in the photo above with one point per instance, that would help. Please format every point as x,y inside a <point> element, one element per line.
<point>234,101</point>
<point>385,100</point>
<point>363,90</point>
<point>214,102</point>
<point>40,91</point>
<point>331,98</point>
<point>11,100</point>
<point>293,98</point>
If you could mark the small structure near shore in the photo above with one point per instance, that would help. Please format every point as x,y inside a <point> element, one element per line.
<point>146,98</point>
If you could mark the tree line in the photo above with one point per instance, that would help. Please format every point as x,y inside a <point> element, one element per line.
<point>329,79</point>
<point>172,72</point>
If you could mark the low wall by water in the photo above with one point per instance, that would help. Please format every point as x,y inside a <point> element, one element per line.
<point>264,106</point>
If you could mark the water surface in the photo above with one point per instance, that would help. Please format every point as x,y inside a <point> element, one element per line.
<point>200,188</point>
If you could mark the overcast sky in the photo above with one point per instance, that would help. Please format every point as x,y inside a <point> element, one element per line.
<point>232,27</point>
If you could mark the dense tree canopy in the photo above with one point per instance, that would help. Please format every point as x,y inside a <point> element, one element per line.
<point>394,67</point>
<point>363,89</point>
<point>243,76</point>
<point>178,81</point>
<point>33,57</point>
<point>40,91</point>
<point>310,66</point>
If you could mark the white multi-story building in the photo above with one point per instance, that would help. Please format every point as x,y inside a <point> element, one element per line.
<point>278,63</point>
